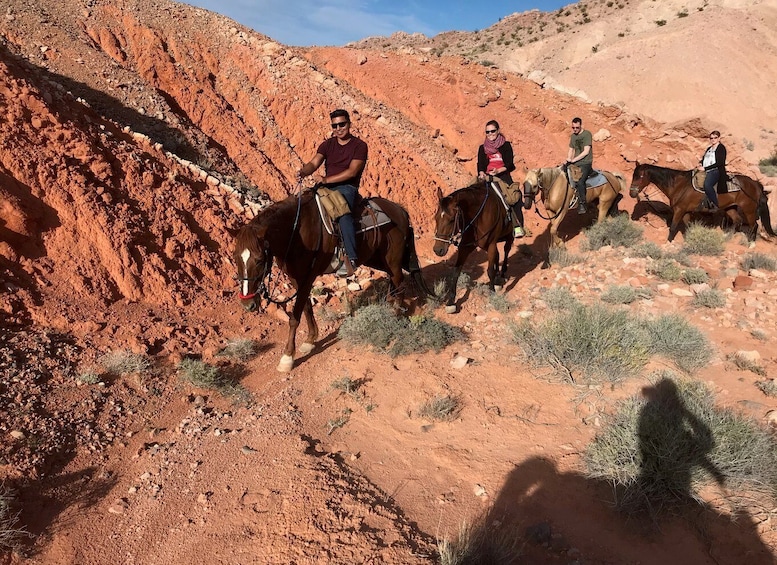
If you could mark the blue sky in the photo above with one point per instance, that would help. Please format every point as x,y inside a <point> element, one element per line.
<point>337,22</point>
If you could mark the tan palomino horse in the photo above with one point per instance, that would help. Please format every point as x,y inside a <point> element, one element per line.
<point>557,195</point>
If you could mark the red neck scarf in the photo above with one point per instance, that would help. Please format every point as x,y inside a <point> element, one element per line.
<point>492,146</point>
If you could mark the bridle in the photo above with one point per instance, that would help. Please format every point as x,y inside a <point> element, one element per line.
<point>541,189</point>
<point>261,289</point>
<point>458,232</point>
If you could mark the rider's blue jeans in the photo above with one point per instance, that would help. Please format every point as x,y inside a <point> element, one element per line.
<point>711,185</point>
<point>347,227</point>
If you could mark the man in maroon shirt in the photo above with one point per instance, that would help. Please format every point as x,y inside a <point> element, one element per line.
<point>345,156</point>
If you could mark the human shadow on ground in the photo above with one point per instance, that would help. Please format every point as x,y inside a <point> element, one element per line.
<point>543,514</point>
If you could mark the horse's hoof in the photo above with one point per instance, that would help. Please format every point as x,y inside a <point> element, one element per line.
<point>287,362</point>
<point>306,348</point>
<point>498,288</point>
<point>451,309</point>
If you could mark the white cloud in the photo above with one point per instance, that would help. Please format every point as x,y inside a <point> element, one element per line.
<point>323,22</point>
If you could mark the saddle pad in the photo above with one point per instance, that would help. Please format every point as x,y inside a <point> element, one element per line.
<point>732,183</point>
<point>597,179</point>
<point>372,221</point>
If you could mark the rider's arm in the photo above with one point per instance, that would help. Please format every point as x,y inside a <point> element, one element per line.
<point>586,150</point>
<point>507,157</point>
<point>310,167</point>
<point>353,171</point>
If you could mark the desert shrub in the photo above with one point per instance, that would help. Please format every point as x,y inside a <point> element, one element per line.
<point>124,362</point>
<point>647,249</point>
<point>558,298</point>
<point>758,261</point>
<point>701,240</point>
<point>619,231</point>
<point>601,342</point>
<point>560,257</point>
<point>481,543</point>
<point>768,166</point>
<point>379,326</point>
<point>769,388</point>
<point>499,302</point>
<point>240,349</point>
<point>665,269</point>
<point>709,298</point>
<point>683,13</point>
<point>89,376</point>
<point>672,337</point>
<point>759,334</point>
<point>464,281</point>
<point>441,407</point>
<point>625,294</point>
<point>660,23</point>
<point>659,452</point>
<point>203,375</point>
<point>10,535</point>
<point>746,364</point>
<point>695,276</point>
<point>681,257</point>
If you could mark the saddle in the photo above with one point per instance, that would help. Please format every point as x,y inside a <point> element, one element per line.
<point>332,205</point>
<point>509,194</point>
<point>732,183</point>
<point>596,178</point>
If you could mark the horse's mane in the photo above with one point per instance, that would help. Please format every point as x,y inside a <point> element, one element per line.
<point>279,212</point>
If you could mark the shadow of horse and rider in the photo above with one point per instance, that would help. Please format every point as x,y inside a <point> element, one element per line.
<point>549,511</point>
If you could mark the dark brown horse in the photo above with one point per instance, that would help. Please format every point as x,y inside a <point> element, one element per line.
<point>746,205</point>
<point>468,218</point>
<point>291,233</point>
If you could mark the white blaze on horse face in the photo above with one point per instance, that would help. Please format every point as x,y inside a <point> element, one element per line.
<point>245,255</point>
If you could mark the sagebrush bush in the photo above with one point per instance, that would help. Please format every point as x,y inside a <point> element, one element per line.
<point>619,231</point>
<point>442,407</point>
<point>673,338</point>
<point>647,249</point>
<point>240,349</point>
<point>665,269</point>
<point>758,261</point>
<point>626,294</point>
<point>124,362</point>
<point>701,240</point>
<point>695,276</point>
<point>560,257</point>
<point>203,375</point>
<point>601,342</point>
<point>709,298</point>
<point>610,344</point>
<point>10,534</point>
<point>379,326</point>
<point>558,298</point>
<point>769,387</point>
<point>661,449</point>
<point>481,543</point>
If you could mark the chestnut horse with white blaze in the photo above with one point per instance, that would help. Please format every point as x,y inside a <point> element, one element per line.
<point>292,234</point>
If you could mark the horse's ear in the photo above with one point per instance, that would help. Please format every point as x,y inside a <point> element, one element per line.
<point>439,194</point>
<point>232,231</point>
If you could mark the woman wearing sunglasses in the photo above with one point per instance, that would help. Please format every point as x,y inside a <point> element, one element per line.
<point>714,162</point>
<point>495,158</point>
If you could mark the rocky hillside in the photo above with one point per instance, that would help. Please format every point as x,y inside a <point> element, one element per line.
<point>134,136</point>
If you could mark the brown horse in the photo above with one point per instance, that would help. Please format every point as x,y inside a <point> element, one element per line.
<point>468,218</point>
<point>745,205</point>
<point>291,233</point>
<point>557,195</point>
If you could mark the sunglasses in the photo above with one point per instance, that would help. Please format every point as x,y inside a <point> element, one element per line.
<point>713,137</point>
<point>492,130</point>
<point>575,127</point>
<point>336,125</point>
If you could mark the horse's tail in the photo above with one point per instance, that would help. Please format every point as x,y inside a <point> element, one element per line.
<point>763,211</point>
<point>410,263</point>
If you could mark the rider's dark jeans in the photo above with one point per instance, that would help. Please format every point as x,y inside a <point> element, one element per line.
<point>347,227</point>
<point>711,185</point>
<point>585,170</point>
<point>518,213</point>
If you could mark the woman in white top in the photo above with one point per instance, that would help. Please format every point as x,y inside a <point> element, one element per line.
<point>714,162</point>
